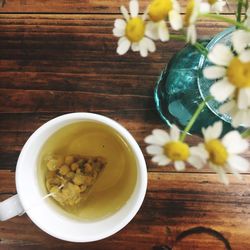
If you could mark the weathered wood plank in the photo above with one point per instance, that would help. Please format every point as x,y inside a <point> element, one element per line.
<point>120,84</point>
<point>32,48</point>
<point>168,210</point>
<point>13,137</point>
<point>75,6</point>
<point>7,182</point>
<point>30,101</point>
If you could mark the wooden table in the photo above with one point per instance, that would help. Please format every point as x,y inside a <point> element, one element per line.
<point>58,57</point>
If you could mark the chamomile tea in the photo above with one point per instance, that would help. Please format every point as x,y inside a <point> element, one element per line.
<point>89,169</point>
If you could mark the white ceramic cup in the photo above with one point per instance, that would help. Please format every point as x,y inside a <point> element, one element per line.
<point>43,214</point>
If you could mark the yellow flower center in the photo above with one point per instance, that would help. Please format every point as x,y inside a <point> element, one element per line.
<point>217,152</point>
<point>135,29</point>
<point>189,11</point>
<point>159,9</point>
<point>211,2</point>
<point>176,151</point>
<point>238,73</point>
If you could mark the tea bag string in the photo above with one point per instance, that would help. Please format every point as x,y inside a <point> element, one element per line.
<point>43,198</point>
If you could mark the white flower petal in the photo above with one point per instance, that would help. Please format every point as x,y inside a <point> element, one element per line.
<point>134,8</point>
<point>120,23</point>
<point>220,55</point>
<point>175,20</point>
<point>176,6</point>
<point>217,129</point>
<point>123,47</point>
<point>214,72</point>
<point>199,151</point>
<point>247,21</point>
<point>151,30</point>
<point>222,175</point>
<point>150,44</point>
<point>122,40</point>
<point>243,98</point>
<point>164,161</point>
<point>163,31</point>
<point>238,163</point>
<point>162,135</point>
<point>135,47</point>
<point>235,173</point>
<point>143,47</point>
<point>234,143</point>
<point>191,34</point>
<point>240,40</point>
<point>158,137</point>
<point>151,139</point>
<point>206,133</point>
<point>196,161</point>
<point>118,32</point>
<point>174,133</point>
<point>204,8</point>
<point>154,150</point>
<point>247,90</point>
<point>245,56</point>
<point>143,52</point>
<point>241,117</point>
<point>222,90</point>
<point>161,160</point>
<point>220,171</point>
<point>179,165</point>
<point>195,12</point>
<point>237,118</point>
<point>124,12</point>
<point>212,132</point>
<point>228,107</point>
<point>157,158</point>
<point>218,6</point>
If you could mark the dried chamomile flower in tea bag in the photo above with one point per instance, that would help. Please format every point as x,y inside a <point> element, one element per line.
<point>69,179</point>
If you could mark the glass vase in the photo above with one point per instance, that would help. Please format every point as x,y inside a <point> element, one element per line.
<point>181,87</point>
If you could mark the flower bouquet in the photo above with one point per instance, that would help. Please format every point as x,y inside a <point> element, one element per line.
<point>228,71</point>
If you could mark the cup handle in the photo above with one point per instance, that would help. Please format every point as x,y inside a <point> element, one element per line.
<point>10,208</point>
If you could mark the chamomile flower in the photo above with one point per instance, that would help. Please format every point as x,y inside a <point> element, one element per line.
<point>232,72</point>
<point>193,9</point>
<point>132,31</point>
<point>158,11</point>
<point>216,5</point>
<point>167,148</point>
<point>223,153</point>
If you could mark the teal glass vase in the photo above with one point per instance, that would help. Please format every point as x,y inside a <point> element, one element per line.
<point>181,87</point>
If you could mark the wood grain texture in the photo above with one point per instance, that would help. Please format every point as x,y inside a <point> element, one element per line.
<point>168,210</point>
<point>58,57</point>
<point>76,6</point>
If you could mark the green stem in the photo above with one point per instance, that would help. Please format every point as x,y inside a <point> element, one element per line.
<point>197,45</point>
<point>178,37</point>
<point>246,133</point>
<point>203,50</point>
<point>239,10</point>
<point>226,19</point>
<point>194,118</point>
